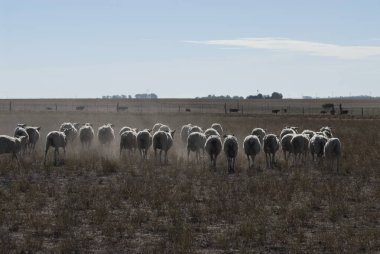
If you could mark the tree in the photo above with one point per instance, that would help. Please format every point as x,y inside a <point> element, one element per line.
<point>276,95</point>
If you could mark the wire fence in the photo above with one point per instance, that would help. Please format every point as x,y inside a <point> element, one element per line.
<point>157,106</point>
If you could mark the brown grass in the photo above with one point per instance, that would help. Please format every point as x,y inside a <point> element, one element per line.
<point>99,203</point>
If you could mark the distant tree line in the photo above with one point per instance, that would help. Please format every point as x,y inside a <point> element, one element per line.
<point>137,96</point>
<point>275,95</point>
<point>213,96</point>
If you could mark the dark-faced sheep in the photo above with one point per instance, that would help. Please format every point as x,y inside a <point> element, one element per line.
<point>128,141</point>
<point>316,146</point>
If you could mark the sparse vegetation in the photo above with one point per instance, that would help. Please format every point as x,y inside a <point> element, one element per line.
<point>97,202</point>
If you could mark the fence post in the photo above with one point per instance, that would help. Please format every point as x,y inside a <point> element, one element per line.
<point>179,109</point>
<point>362,112</point>
<point>117,107</point>
<point>303,111</point>
<point>10,106</point>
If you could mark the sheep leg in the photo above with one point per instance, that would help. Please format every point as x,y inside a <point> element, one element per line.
<point>188,155</point>
<point>249,162</point>
<point>233,165</point>
<point>266,159</point>
<point>55,156</point>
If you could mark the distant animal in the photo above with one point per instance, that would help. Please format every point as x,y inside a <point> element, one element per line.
<point>234,110</point>
<point>275,111</point>
<point>79,108</point>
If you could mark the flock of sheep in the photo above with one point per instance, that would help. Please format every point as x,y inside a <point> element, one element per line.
<point>320,143</point>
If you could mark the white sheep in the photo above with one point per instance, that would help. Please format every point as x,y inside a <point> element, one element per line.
<point>165,128</point>
<point>195,129</point>
<point>218,127</point>
<point>260,133</point>
<point>286,145</point>
<point>56,139</point>
<point>211,131</point>
<point>230,148</point>
<point>271,146</point>
<point>309,133</point>
<point>106,134</point>
<point>300,146</point>
<point>213,147</point>
<point>34,136</point>
<point>288,130</point>
<point>127,128</point>
<point>20,131</point>
<point>71,130</point>
<point>163,141</point>
<point>144,142</point>
<point>128,141</point>
<point>156,127</point>
<point>252,147</point>
<point>11,145</point>
<point>185,132</point>
<point>316,145</point>
<point>195,142</point>
<point>86,135</point>
<point>332,152</point>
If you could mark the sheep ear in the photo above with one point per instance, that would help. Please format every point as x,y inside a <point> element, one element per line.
<point>225,135</point>
<point>38,128</point>
<point>112,125</point>
<point>149,130</point>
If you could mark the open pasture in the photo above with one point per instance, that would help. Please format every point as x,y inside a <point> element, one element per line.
<point>101,203</point>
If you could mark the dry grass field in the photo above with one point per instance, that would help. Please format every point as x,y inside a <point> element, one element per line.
<point>101,203</point>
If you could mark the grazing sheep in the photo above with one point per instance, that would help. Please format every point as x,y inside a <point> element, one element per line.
<point>126,128</point>
<point>21,132</point>
<point>71,131</point>
<point>211,131</point>
<point>185,132</point>
<point>300,145</point>
<point>287,130</point>
<point>56,139</point>
<point>106,134</point>
<point>218,127</point>
<point>252,147</point>
<point>195,129</point>
<point>144,142</point>
<point>128,141</point>
<point>86,135</point>
<point>332,152</point>
<point>11,145</point>
<point>34,136</point>
<point>260,133</point>
<point>271,146</point>
<point>213,147</point>
<point>230,148</point>
<point>163,141</point>
<point>316,145</point>
<point>286,145</point>
<point>309,133</point>
<point>156,127</point>
<point>195,142</point>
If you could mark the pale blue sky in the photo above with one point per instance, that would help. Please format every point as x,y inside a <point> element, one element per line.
<point>178,48</point>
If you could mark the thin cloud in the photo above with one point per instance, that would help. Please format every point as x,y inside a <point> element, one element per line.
<point>308,47</point>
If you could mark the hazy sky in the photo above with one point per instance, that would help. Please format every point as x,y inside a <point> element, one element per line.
<point>178,48</point>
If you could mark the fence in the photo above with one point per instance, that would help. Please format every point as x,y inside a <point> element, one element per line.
<point>178,106</point>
